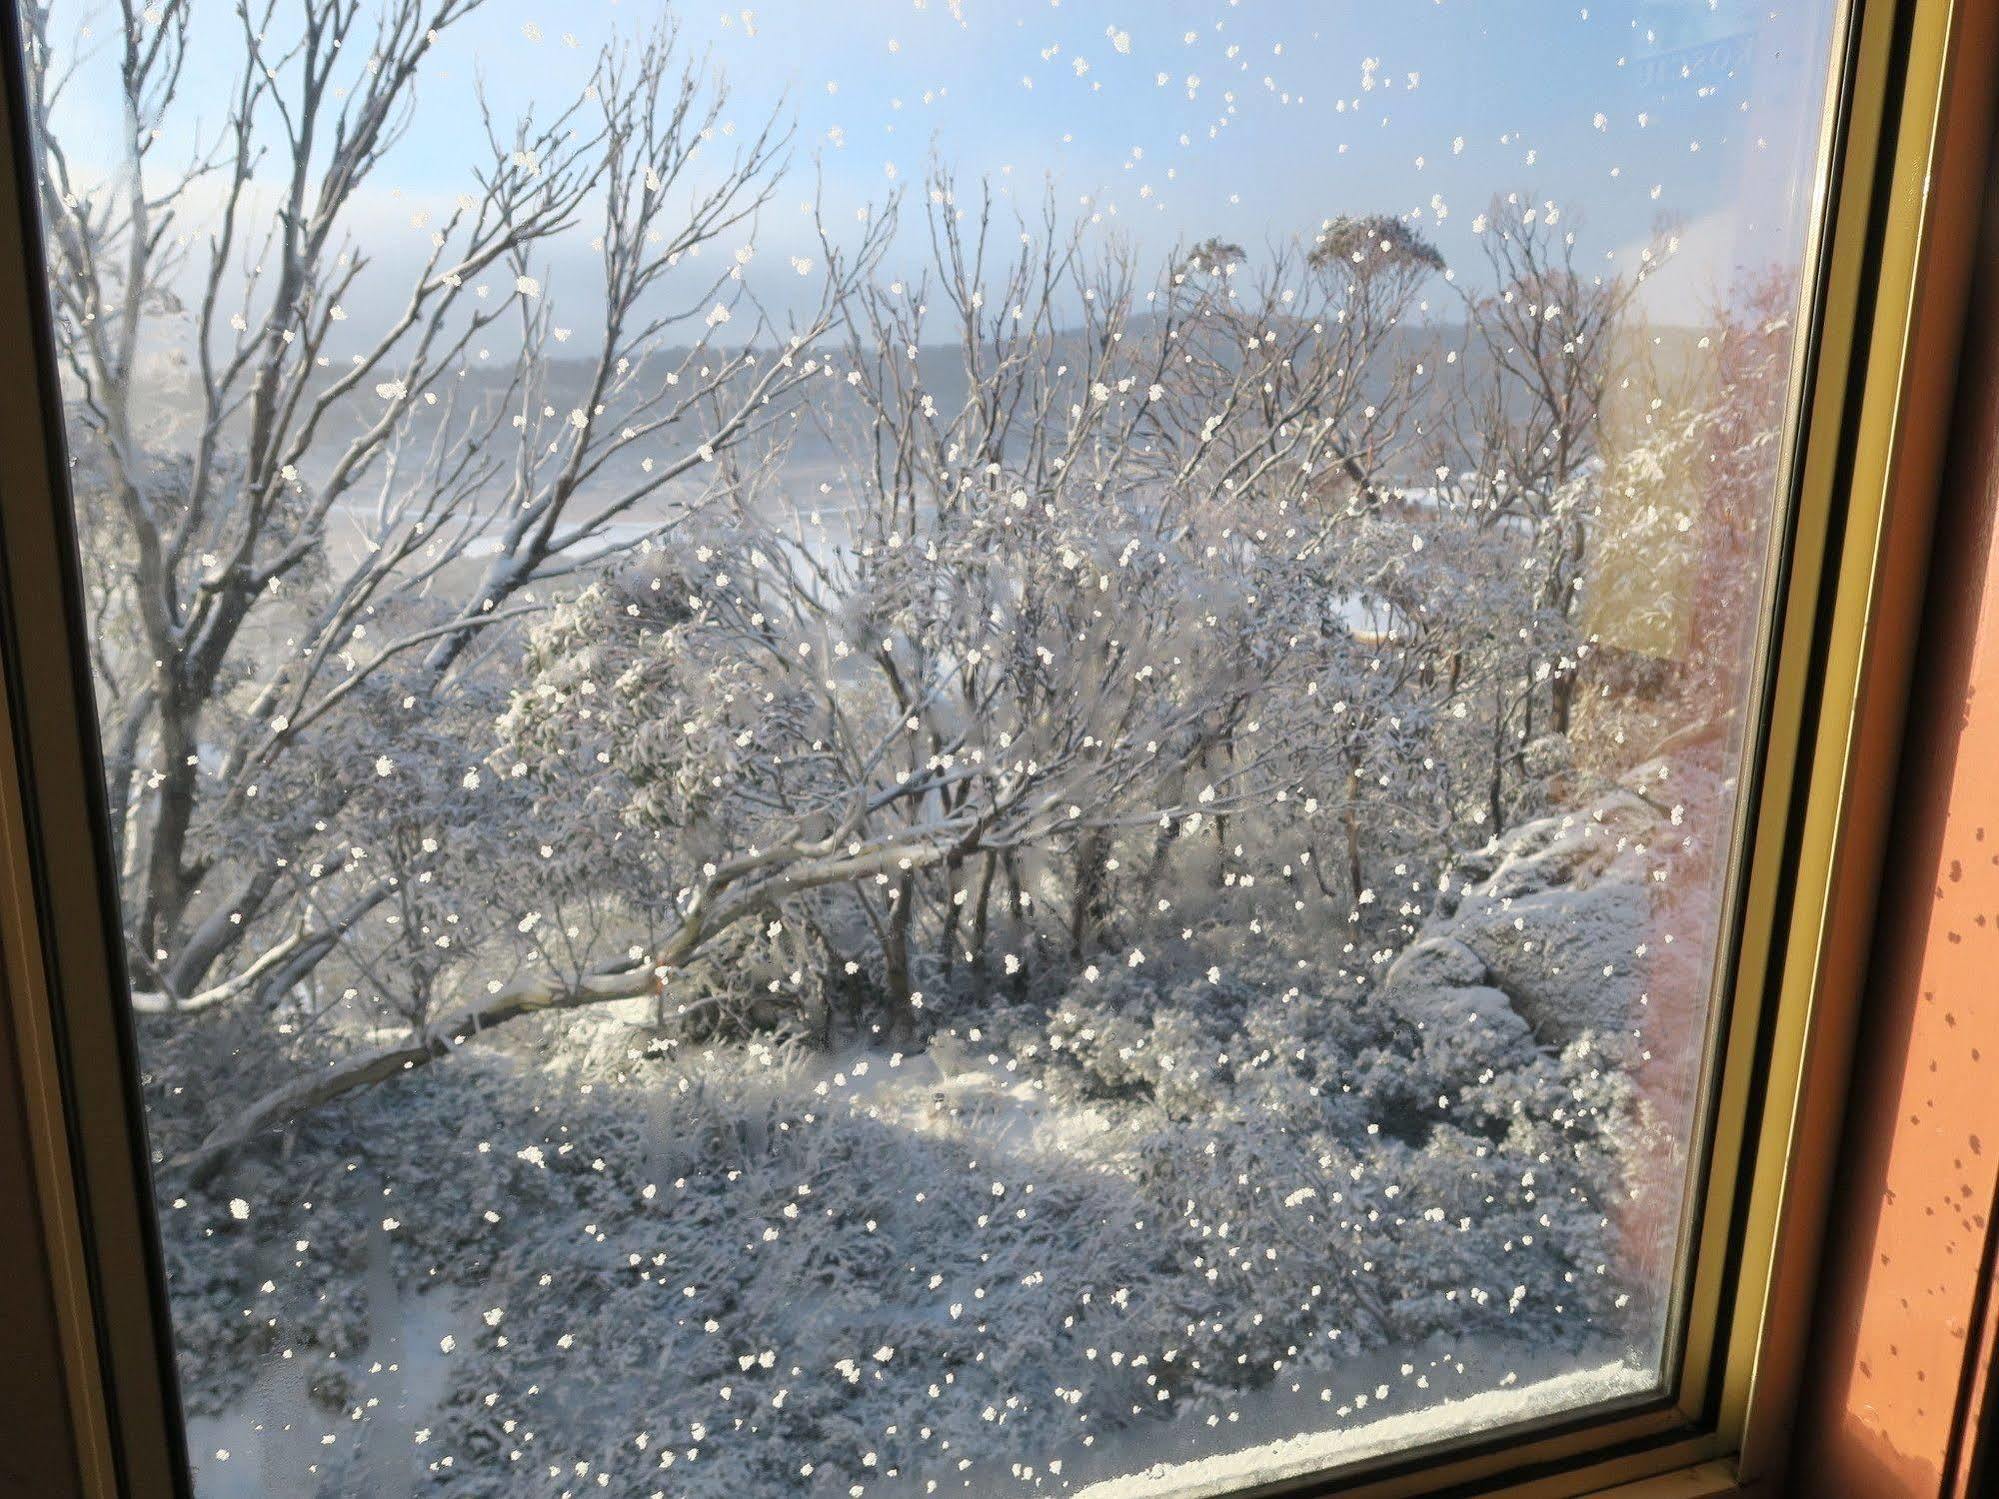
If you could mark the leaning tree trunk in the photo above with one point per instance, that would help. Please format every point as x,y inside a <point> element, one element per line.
<point>546,993</point>
<point>534,993</point>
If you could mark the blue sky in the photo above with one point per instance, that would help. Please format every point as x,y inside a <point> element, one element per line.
<point>1170,120</point>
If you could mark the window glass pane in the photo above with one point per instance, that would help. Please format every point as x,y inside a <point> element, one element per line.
<point>920,747</point>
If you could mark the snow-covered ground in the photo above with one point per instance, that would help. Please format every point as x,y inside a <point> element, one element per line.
<point>1158,1234</point>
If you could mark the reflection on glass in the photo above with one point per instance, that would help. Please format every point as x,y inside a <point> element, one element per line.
<point>919,747</point>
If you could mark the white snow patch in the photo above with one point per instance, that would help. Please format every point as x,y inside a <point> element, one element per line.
<point>1316,1452</point>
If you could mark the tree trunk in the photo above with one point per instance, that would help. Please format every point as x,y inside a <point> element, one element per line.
<point>981,951</point>
<point>947,937</point>
<point>164,902</point>
<point>895,958</point>
<point>188,965</point>
<point>1086,902</point>
<point>1017,910</point>
<point>120,766</point>
<point>1351,821</point>
<point>1561,700</point>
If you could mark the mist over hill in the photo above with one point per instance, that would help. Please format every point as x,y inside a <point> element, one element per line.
<point>823,440</point>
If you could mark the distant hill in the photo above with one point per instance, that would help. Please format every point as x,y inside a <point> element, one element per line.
<point>829,429</point>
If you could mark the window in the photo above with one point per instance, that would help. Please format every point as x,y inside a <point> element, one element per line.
<point>949,748</point>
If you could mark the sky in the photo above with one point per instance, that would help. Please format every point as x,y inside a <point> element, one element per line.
<point>1167,121</point>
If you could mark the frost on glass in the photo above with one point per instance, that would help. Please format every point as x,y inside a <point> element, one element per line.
<point>928,746</point>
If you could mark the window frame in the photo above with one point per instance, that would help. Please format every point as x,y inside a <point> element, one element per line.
<point>1901,161</point>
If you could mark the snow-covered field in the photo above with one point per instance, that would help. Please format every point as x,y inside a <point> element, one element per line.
<point>1147,1236</point>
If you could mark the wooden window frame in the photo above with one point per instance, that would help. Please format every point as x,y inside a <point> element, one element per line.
<point>1904,153</point>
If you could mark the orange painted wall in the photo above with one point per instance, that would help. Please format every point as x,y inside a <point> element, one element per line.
<point>1895,1393</point>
